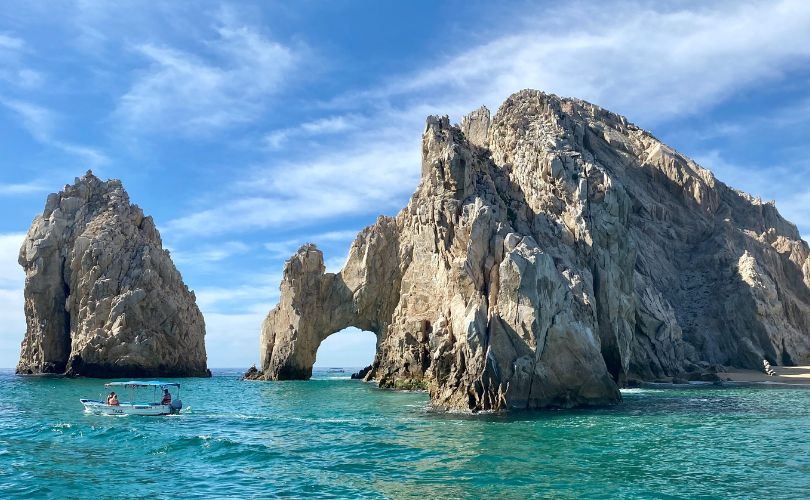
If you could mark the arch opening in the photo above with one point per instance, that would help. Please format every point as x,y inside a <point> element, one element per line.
<point>349,350</point>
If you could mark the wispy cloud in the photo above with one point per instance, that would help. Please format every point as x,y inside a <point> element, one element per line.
<point>796,208</point>
<point>338,124</point>
<point>37,121</point>
<point>207,254</point>
<point>13,68</point>
<point>792,118</point>
<point>89,156</point>
<point>227,82</point>
<point>8,42</point>
<point>649,61</point>
<point>370,176</point>
<point>22,189</point>
<point>232,339</point>
<point>261,294</point>
<point>783,183</point>
<point>233,317</point>
<point>283,249</point>
<point>41,124</point>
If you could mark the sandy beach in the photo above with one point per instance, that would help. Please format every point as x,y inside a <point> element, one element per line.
<point>798,375</point>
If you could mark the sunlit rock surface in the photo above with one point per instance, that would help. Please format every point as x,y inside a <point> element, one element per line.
<point>549,254</point>
<point>102,296</point>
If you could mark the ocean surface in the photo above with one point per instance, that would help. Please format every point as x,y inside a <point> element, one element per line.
<point>335,437</point>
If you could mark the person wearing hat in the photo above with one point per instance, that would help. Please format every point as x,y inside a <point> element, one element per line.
<point>167,397</point>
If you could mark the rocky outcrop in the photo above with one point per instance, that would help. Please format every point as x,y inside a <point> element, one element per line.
<point>361,374</point>
<point>549,254</point>
<point>102,296</point>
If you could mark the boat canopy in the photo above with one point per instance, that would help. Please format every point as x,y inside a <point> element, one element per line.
<point>142,383</point>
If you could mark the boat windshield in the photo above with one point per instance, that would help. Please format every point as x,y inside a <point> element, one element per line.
<point>139,383</point>
<point>156,385</point>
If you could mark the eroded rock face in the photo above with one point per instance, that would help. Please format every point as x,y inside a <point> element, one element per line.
<point>102,297</point>
<point>549,253</point>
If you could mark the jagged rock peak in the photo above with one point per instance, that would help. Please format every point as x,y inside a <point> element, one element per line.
<point>476,126</point>
<point>102,296</point>
<point>549,254</point>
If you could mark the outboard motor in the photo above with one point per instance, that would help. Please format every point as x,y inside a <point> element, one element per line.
<point>176,405</point>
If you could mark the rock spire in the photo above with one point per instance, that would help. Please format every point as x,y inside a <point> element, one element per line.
<point>102,296</point>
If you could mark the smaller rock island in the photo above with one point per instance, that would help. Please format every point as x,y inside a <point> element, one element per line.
<point>102,296</point>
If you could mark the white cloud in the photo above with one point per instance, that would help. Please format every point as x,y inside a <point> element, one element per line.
<point>38,121</point>
<point>745,178</point>
<point>784,183</point>
<point>41,124</point>
<point>335,264</point>
<point>785,119</point>
<point>369,176</point>
<point>230,337</point>
<point>347,235</point>
<point>225,84</point>
<point>8,42</point>
<point>209,253</point>
<point>283,249</point>
<point>13,69</point>
<point>12,280</point>
<point>22,189</point>
<point>796,208</point>
<point>90,156</point>
<point>233,318</point>
<point>648,61</point>
<point>277,139</point>
<point>259,295</point>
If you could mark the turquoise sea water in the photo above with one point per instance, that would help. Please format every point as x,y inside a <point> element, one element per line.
<point>334,437</point>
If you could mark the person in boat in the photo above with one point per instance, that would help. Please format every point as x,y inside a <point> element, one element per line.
<point>167,397</point>
<point>112,399</point>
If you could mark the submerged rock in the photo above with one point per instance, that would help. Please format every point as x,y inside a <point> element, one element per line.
<point>549,254</point>
<point>102,296</point>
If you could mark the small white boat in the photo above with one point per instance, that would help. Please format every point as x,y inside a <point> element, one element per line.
<point>157,407</point>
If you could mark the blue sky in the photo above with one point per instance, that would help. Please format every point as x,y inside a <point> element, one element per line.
<point>246,129</point>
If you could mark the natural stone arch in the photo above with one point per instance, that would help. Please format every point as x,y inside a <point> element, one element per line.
<point>315,304</point>
<point>547,254</point>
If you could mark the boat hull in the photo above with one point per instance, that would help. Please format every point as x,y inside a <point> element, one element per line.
<point>146,409</point>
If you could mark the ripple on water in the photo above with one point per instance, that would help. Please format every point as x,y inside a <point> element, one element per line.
<point>339,438</point>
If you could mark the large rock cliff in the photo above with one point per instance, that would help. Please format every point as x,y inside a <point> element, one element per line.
<point>550,253</point>
<point>102,297</point>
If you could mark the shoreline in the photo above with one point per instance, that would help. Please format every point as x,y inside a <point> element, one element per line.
<point>786,376</point>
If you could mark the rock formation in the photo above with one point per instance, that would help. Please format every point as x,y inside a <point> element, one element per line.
<point>550,254</point>
<point>102,296</point>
